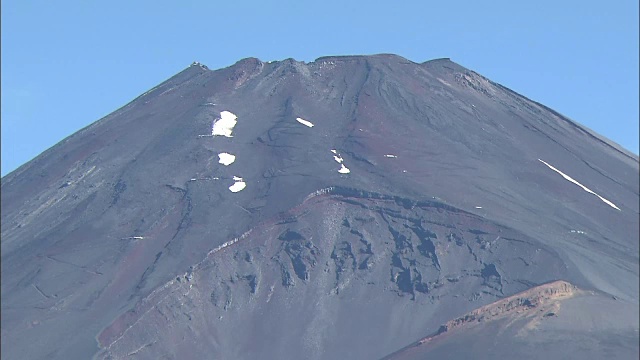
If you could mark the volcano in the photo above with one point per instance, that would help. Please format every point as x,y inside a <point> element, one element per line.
<point>353,207</point>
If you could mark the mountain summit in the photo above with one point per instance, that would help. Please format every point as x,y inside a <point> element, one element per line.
<point>354,207</point>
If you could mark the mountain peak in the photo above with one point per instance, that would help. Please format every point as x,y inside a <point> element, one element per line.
<point>311,210</point>
<point>383,56</point>
<point>203,66</point>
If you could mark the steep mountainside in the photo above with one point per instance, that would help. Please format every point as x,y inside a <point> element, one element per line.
<point>343,208</point>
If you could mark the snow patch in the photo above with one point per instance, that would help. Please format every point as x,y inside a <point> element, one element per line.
<point>134,238</point>
<point>239,184</point>
<point>344,170</point>
<point>569,178</point>
<point>390,156</point>
<point>340,160</point>
<point>334,151</point>
<point>578,231</point>
<point>224,125</point>
<point>226,159</point>
<point>304,122</point>
<point>337,157</point>
<point>478,207</point>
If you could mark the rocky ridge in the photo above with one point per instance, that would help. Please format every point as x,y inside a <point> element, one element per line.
<point>524,303</point>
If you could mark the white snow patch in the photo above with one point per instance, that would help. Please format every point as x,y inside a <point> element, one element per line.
<point>337,157</point>
<point>578,231</point>
<point>224,125</point>
<point>390,156</point>
<point>304,122</point>
<point>478,207</point>
<point>134,238</point>
<point>569,178</point>
<point>239,184</point>
<point>340,160</point>
<point>226,159</point>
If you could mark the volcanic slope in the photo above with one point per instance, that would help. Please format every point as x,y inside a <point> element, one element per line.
<point>343,208</point>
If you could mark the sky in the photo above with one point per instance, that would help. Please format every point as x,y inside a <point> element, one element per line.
<point>66,64</point>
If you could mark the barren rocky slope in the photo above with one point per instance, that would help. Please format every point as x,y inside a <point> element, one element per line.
<point>554,320</point>
<point>343,208</point>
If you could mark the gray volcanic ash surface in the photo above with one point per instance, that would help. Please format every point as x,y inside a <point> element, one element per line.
<point>350,207</point>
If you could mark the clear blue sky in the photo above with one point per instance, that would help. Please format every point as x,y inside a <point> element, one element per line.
<point>65,64</point>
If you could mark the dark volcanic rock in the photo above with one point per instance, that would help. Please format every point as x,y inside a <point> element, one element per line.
<point>420,193</point>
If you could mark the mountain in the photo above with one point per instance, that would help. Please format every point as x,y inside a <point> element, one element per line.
<point>354,207</point>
